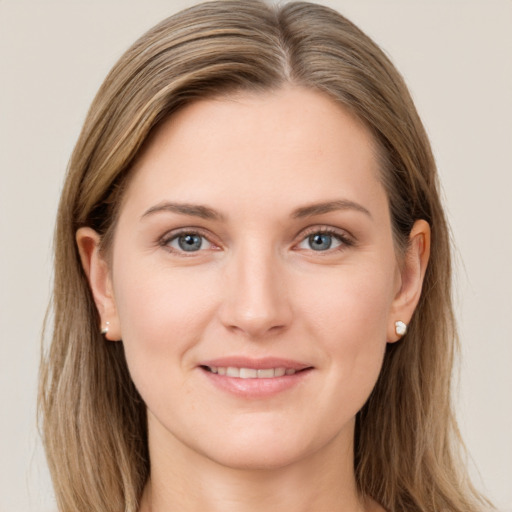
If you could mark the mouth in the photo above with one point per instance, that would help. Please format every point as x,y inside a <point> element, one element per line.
<point>252,373</point>
<point>255,378</point>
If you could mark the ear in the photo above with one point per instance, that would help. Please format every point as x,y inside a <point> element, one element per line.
<point>412,274</point>
<point>98,274</point>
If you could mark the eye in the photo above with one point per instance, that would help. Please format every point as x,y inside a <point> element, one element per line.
<point>323,240</point>
<point>187,242</point>
<point>320,241</point>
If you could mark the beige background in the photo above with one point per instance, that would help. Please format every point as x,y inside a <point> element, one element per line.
<point>456,56</point>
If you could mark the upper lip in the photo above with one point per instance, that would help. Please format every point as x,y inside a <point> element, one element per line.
<point>258,363</point>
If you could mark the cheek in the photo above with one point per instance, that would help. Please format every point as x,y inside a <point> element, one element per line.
<point>162,312</point>
<point>348,316</point>
<point>353,304</point>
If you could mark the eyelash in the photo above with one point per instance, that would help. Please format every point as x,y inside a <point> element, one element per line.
<point>174,235</point>
<point>345,240</point>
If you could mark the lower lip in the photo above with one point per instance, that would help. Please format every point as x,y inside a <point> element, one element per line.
<point>256,388</point>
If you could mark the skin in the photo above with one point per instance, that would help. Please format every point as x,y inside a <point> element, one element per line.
<point>257,287</point>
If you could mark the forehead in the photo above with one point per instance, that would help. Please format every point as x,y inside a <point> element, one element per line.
<point>280,148</point>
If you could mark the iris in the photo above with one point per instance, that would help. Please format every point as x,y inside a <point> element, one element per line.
<point>190,242</point>
<point>320,241</point>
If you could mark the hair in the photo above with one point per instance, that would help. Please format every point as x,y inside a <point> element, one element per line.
<point>408,454</point>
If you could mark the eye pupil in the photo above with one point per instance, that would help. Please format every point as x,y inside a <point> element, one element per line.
<point>190,242</point>
<point>320,242</point>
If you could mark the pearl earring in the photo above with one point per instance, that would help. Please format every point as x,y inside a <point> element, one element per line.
<point>400,328</point>
<point>105,329</point>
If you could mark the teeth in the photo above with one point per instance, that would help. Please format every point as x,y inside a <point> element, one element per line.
<point>248,373</point>
<point>251,373</point>
<point>233,372</point>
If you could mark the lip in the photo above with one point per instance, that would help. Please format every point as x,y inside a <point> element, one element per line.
<point>258,363</point>
<point>256,388</point>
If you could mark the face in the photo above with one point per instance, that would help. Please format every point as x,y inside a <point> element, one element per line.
<point>254,280</point>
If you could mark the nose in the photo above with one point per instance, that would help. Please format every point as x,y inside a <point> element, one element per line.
<point>255,301</point>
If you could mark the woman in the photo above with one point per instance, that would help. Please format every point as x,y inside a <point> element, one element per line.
<point>252,208</point>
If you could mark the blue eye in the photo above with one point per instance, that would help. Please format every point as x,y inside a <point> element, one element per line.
<point>320,241</point>
<point>188,242</point>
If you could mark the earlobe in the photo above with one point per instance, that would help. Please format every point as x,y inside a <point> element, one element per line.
<point>412,275</point>
<point>97,270</point>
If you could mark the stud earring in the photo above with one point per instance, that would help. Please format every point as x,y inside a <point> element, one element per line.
<point>105,329</point>
<point>400,328</point>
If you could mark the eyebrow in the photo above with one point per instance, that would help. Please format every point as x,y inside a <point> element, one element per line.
<point>205,212</point>
<point>195,210</point>
<point>327,207</point>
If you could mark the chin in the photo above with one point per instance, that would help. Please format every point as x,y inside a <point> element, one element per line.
<point>255,458</point>
<point>261,449</point>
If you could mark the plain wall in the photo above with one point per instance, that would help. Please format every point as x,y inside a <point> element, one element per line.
<point>456,56</point>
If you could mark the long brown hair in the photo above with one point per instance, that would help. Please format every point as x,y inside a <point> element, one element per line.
<point>93,419</point>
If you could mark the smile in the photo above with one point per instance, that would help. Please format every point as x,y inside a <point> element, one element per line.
<point>250,378</point>
<point>251,373</point>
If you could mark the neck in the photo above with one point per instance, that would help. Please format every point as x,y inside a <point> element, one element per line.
<point>184,480</point>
